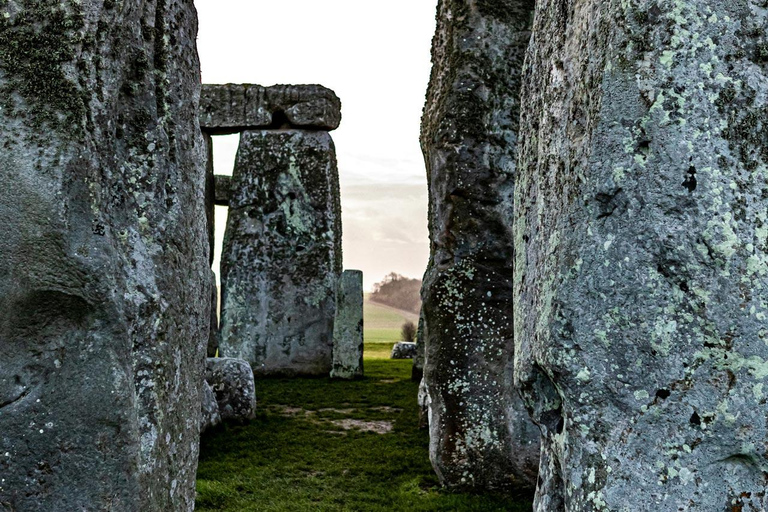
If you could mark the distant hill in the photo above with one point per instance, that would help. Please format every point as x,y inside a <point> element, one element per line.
<point>399,292</point>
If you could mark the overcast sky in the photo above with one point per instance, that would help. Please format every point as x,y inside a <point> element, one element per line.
<point>375,55</point>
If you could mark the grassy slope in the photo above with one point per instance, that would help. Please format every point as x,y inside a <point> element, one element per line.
<point>297,460</point>
<point>382,326</point>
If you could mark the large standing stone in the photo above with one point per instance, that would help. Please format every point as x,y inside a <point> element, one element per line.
<point>232,108</point>
<point>104,268</point>
<point>232,382</point>
<point>641,274</point>
<point>282,253</point>
<point>348,327</point>
<point>480,434</point>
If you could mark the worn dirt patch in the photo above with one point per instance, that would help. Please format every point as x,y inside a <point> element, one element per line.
<point>387,409</point>
<point>377,427</point>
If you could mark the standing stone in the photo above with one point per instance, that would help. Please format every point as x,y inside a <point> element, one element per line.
<point>282,253</point>
<point>641,274</point>
<point>480,434</point>
<point>104,268</point>
<point>348,327</point>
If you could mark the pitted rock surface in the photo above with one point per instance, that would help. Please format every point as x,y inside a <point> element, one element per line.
<point>403,350</point>
<point>282,253</point>
<point>104,271</point>
<point>641,275</point>
<point>210,408</point>
<point>480,434</point>
<point>232,382</point>
<point>348,327</point>
<point>233,108</point>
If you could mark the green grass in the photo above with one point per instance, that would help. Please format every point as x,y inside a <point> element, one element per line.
<point>292,457</point>
<point>382,324</point>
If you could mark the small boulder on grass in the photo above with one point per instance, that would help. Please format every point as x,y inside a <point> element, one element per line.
<point>403,350</point>
<point>232,382</point>
<point>211,416</point>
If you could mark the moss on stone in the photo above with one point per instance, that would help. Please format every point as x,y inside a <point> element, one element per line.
<point>35,44</point>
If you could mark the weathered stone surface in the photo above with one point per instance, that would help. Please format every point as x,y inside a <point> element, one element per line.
<point>282,253</point>
<point>213,331</point>
<point>210,408</point>
<point>403,350</point>
<point>417,371</point>
<point>104,268</point>
<point>641,269</point>
<point>223,185</point>
<point>480,434</point>
<point>232,382</point>
<point>348,327</point>
<point>424,403</point>
<point>233,108</point>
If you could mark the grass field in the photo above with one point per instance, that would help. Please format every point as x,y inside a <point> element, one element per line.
<point>330,446</point>
<point>382,326</point>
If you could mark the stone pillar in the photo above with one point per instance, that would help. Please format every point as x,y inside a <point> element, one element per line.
<point>641,274</point>
<point>282,253</point>
<point>480,434</point>
<point>104,268</point>
<point>348,327</point>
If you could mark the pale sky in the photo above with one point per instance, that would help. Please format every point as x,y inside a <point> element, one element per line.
<point>376,56</point>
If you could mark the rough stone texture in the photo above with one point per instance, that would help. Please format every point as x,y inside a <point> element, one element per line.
<point>213,331</point>
<point>403,350</point>
<point>104,268</point>
<point>232,382</point>
<point>210,408</point>
<point>348,327</point>
<point>233,108</point>
<point>417,371</point>
<point>641,269</point>
<point>480,434</point>
<point>424,403</point>
<point>282,253</point>
<point>223,185</point>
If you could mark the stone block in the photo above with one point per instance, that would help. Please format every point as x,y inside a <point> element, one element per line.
<point>282,253</point>
<point>481,437</point>
<point>403,350</point>
<point>210,408</point>
<point>232,108</point>
<point>232,382</point>
<point>641,269</point>
<point>104,282</point>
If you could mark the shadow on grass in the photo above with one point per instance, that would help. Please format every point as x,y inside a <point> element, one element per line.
<point>308,450</point>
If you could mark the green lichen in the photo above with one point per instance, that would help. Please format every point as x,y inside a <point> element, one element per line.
<point>36,43</point>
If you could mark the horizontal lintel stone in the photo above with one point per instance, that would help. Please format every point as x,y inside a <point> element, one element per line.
<point>233,108</point>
